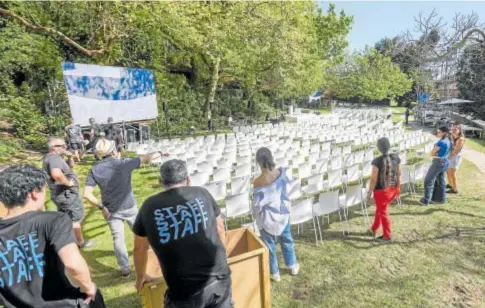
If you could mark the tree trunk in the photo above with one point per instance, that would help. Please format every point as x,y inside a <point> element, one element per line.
<point>212,91</point>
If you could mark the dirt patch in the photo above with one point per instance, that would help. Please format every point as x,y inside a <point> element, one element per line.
<point>462,292</point>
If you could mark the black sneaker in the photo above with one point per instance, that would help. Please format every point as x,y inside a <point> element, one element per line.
<point>448,186</point>
<point>371,233</point>
<point>451,191</point>
<point>423,202</point>
<point>125,273</point>
<point>381,239</point>
<point>87,244</point>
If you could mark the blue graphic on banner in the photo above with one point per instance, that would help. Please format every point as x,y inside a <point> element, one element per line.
<point>19,260</point>
<point>176,223</point>
<point>132,84</point>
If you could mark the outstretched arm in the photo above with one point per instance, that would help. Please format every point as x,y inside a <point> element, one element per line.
<point>151,156</point>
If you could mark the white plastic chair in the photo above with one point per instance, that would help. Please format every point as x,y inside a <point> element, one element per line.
<point>366,169</point>
<point>236,205</point>
<point>222,174</point>
<point>205,167</point>
<point>304,170</point>
<point>315,184</point>
<point>243,170</point>
<point>301,212</point>
<point>328,203</point>
<point>336,163</point>
<point>334,179</point>
<point>199,178</point>
<point>349,160</point>
<point>294,189</point>
<point>218,189</point>
<point>321,166</point>
<point>353,174</point>
<point>353,196</point>
<point>240,184</point>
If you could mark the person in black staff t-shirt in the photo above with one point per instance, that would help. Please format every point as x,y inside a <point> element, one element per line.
<point>184,227</point>
<point>64,186</point>
<point>39,259</point>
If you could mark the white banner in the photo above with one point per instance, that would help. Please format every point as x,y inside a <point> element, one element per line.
<point>99,92</point>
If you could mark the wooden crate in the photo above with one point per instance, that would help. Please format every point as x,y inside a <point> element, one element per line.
<point>249,263</point>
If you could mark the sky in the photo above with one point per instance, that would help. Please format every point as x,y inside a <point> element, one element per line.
<point>378,19</point>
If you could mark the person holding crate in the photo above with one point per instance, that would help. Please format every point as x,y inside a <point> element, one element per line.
<point>184,227</point>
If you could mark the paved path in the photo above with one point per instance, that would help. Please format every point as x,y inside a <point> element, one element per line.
<point>477,158</point>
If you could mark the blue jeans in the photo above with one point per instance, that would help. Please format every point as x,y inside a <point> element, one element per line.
<point>287,247</point>
<point>434,182</point>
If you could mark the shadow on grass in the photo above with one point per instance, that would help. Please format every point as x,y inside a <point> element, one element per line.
<point>129,300</point>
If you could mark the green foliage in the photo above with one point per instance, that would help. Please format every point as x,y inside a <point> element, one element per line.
<point>8,147</point>
<point>220,56</point>
<point>368,77</point>
<point>471,78</point>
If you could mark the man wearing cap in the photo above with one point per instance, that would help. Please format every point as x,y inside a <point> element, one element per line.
<point>64,186</point>
<point>113,176</point>
<point>113,132</point>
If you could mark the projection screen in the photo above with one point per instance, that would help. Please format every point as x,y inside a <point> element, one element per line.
<point>125,94</point>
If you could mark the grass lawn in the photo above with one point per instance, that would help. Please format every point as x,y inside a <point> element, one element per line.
<point>436,258</point>
<point>324,110</point>
<point>476,144</point>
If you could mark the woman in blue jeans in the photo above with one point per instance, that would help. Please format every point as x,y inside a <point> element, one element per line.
<point>271,209</point>
<point>434,182</point>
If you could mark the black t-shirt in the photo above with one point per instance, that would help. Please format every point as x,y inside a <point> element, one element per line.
<point>55,161</point>
<point>181,227</point>
<point>379,163</point>
<point>113,176</point>
<point>97,129</point>
<point>112,132</point>
<point>31,272</point>
<point>74,133</point>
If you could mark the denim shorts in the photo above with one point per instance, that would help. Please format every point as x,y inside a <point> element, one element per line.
<point>455,162</point>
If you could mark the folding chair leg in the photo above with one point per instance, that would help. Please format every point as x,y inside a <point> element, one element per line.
<point>340,218</point>
<point>363,213</point>
<point>366,213</point>
<point>315,231</point>
<point>346,219</point>
<point>319,229</point>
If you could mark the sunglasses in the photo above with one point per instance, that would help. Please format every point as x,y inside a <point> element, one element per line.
<point>60,146</point>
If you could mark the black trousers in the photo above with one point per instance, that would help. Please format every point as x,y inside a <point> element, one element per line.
<point>98,302</point>
<point>217,294</point>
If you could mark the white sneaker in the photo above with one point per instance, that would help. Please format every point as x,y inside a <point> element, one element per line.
<point>295,269</point>
<point>276,277</point>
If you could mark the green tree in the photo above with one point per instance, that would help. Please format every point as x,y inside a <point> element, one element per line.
<point>368,77</point>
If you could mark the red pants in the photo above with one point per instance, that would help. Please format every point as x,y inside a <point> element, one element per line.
<point>383,198</point>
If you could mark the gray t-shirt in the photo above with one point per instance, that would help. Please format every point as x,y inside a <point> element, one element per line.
<point>55,161</point>
<point>113,176</point>
<point>73,132</point>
